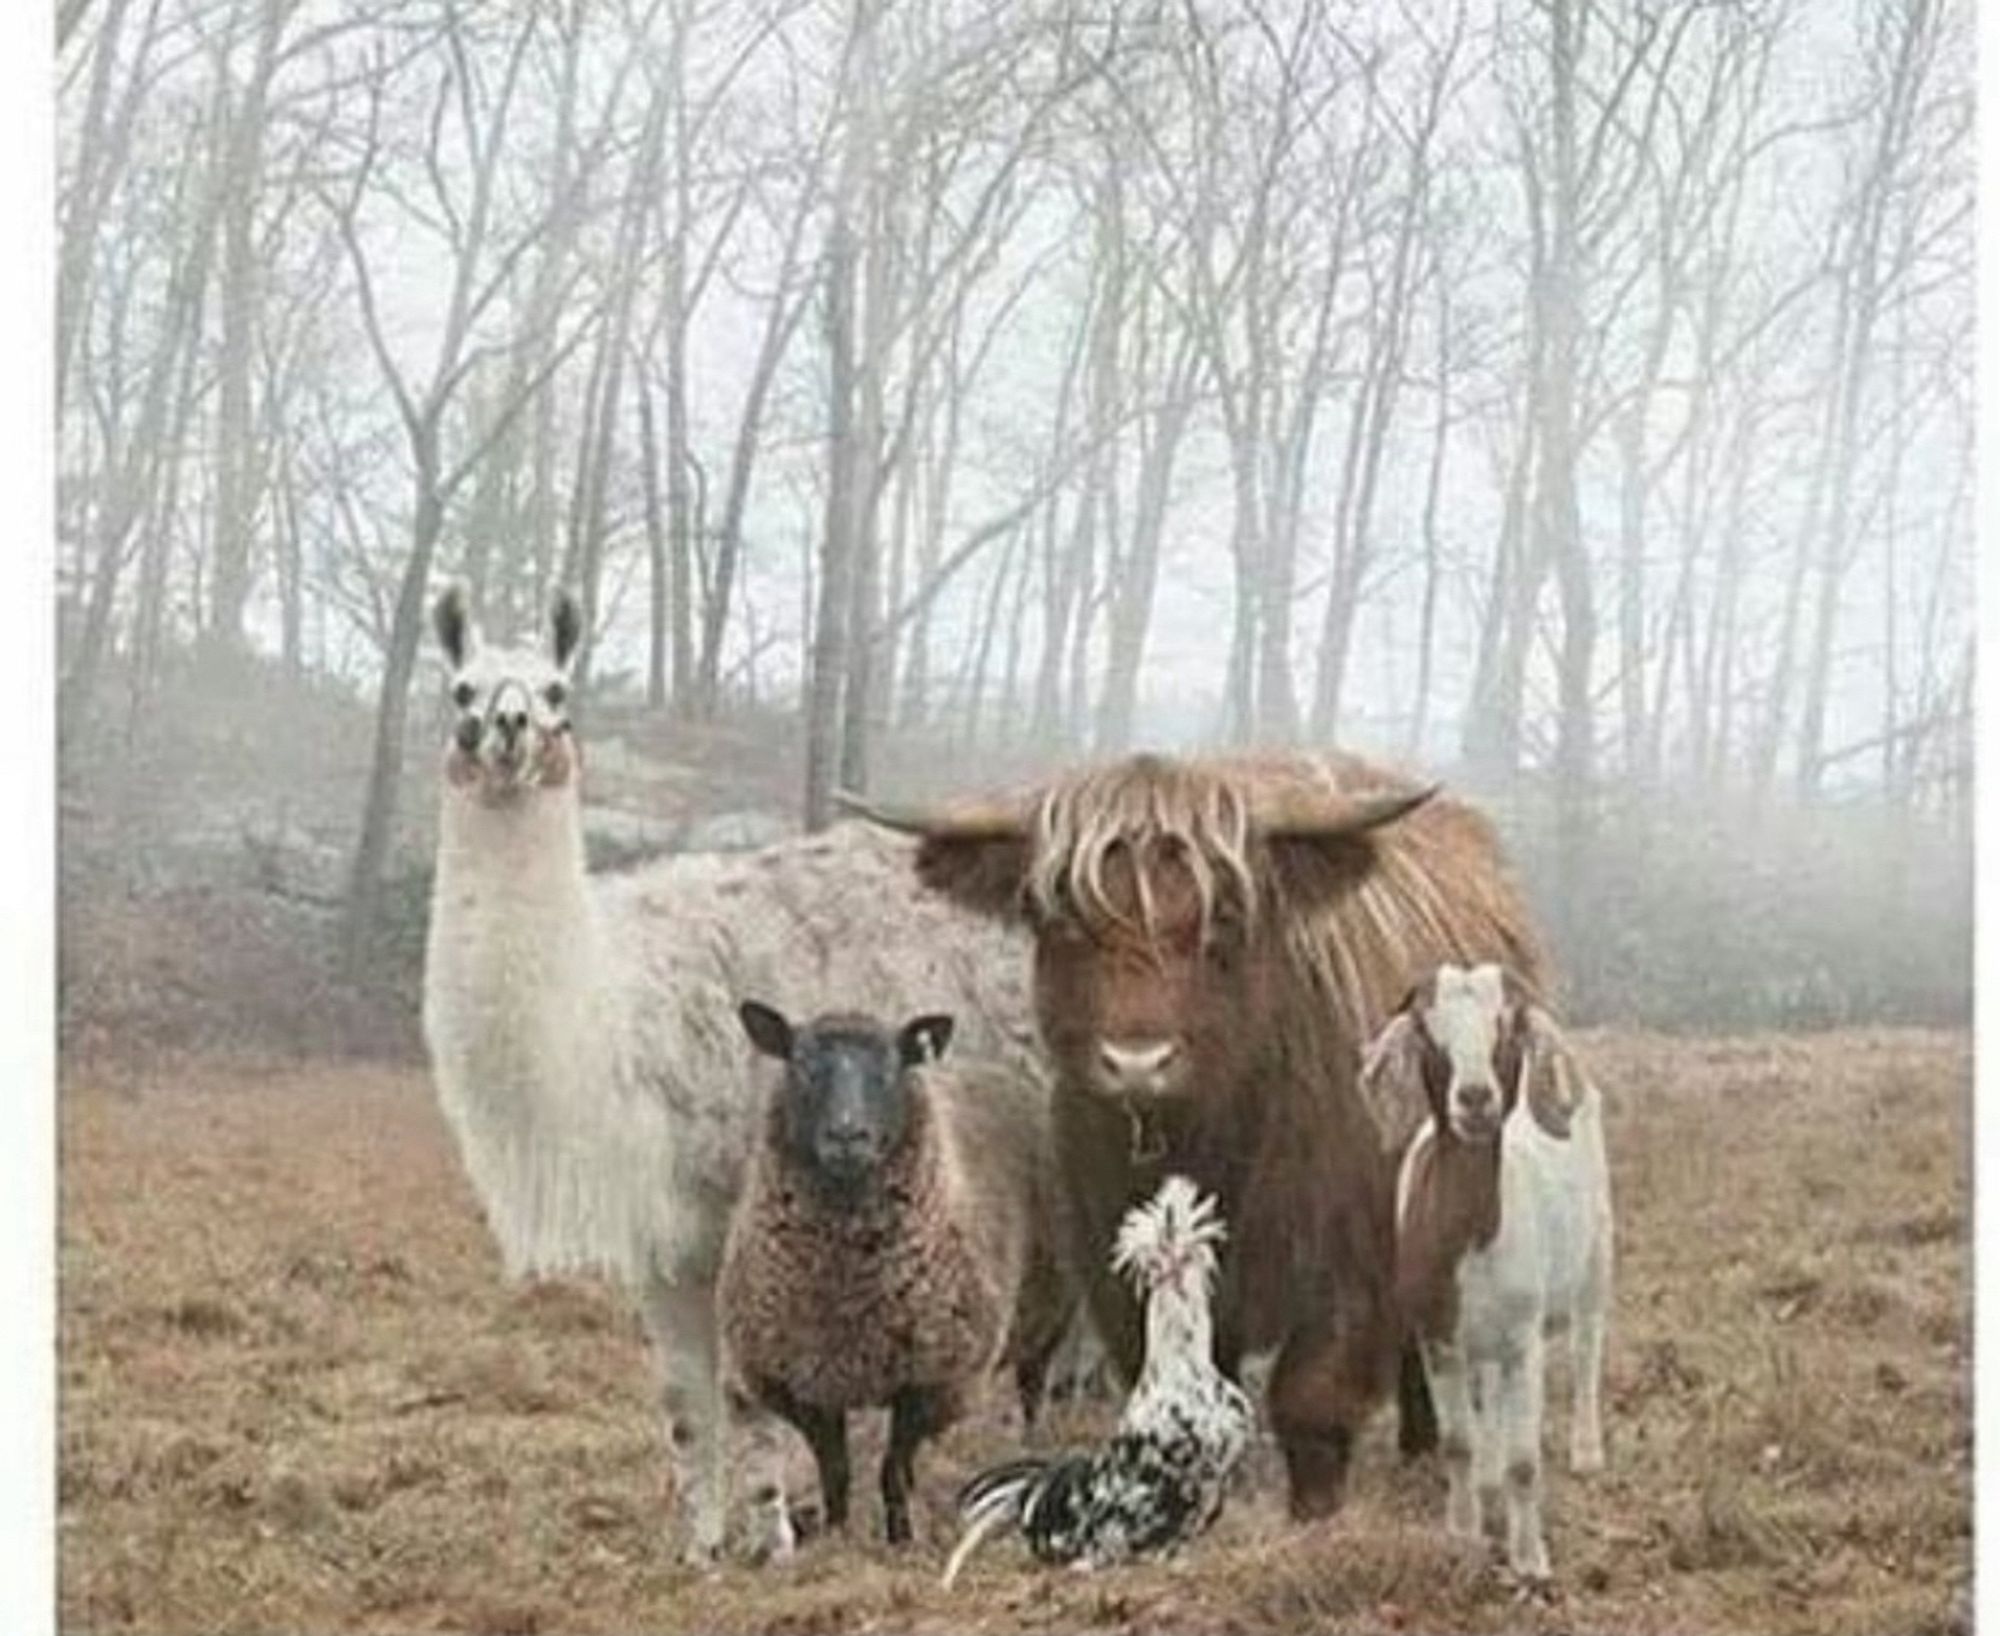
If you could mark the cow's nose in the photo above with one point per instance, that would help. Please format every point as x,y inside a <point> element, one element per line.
<point>1140,1060</point>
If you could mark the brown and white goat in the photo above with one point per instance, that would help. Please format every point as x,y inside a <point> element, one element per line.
<point>1503,1236</point>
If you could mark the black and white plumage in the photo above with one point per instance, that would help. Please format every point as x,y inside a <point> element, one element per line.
<point>1160,1481</point>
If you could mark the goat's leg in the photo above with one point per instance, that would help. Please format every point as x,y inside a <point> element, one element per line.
<point>1459,1433</point>
<point>1489,1457</point>
<point>916,1413</point>
<point>1586,1431</point>
<point>680,1322</point>
<point>1521,1389</point>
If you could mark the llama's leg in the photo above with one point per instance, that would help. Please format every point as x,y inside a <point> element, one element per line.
<point>1586,1431</point>
<point>916,1413</point>
<point>680,1322</point>
<point>1521,1388</point>
<point>756,1444</point>
<point>1321,1392</point>
<point>1459,1433</point>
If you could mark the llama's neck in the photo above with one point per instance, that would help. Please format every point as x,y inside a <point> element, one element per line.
<point>515,946</point>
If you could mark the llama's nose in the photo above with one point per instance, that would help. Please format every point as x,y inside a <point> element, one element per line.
<point>1131,1062</point>
<point>512,724</point>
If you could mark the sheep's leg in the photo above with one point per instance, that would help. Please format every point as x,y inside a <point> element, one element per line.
<point>1459,1432</point>
<point>1521,1388</point>
<point>681,1323</point>
<point>1586,1431</point>
<point>826,1431</point>
<point>915,1414</point>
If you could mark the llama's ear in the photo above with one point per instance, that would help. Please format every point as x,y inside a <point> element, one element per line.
<point>924,1040</point>
<point>566,621</point>
<point>453,622</point>
<point>1392,1080</point>
<point>1552,1081</point>
<point>767,1029</point>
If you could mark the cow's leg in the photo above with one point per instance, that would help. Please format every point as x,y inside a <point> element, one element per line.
<point>1322,1390</point>
<point>1417,1416</point>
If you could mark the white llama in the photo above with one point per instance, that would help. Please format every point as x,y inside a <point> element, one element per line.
<point>584,1038</point>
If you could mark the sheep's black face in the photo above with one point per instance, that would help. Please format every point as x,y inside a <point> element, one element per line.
<point>847,1094</point>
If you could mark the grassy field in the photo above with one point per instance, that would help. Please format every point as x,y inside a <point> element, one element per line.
<point>297,1397</point>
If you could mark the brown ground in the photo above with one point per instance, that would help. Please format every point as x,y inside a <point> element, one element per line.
<point>295,1395</point>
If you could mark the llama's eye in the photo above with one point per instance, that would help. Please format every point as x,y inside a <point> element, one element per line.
<point>463,695</point>
<point>555,693</point>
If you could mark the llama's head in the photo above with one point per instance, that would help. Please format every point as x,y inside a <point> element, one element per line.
<point>848,1100</point>
<point>511,730</point>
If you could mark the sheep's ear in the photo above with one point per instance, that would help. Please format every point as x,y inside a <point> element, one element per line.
<point>767,1029</point>
<point>566,622</point>
<point>452,621</point>
<point>1552,1081</point>
<point>1392,1079</point>
<point>924,1040</point>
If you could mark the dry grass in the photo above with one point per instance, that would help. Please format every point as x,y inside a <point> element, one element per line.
<point>295,1395</point>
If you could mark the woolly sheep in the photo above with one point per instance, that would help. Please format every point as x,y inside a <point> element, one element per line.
<point>894,1241</point>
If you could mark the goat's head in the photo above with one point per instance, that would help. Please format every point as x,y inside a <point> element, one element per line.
<point>848,1099</point>
<point>511,730</point>
<point>1474,1041</point>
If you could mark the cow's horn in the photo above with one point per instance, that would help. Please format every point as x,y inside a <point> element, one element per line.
<point>1328,814</point>
<point>967,821</point>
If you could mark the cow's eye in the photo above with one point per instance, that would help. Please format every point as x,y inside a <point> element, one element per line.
<point>463,695</point>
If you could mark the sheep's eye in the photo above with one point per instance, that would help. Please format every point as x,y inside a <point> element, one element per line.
<point>555,693</point>
<point>463,695</point>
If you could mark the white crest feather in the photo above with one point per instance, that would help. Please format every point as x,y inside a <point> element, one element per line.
<point>1173,1234</point>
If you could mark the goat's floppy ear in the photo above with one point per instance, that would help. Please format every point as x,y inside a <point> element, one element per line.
<point>566,623</point>
<point>924,1040</point>
<point>452,621</point>
<point>1392,1080</point>
<point>767,1029</point>
<point>1553,1082</point>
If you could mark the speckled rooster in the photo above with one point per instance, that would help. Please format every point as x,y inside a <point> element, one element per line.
<point>1160,1481</point>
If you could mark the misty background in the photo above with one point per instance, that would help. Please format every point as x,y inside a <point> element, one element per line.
<point>1571,399</point>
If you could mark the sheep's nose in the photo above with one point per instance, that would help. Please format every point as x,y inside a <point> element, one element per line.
<point>1476,1099</point>
<point>1145,1060</point>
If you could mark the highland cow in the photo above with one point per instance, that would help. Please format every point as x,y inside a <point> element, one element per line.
<point>1214,940</point>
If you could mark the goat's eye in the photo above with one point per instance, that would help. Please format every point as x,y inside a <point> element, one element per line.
<point>555,693</point>
<point>463,695</point>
